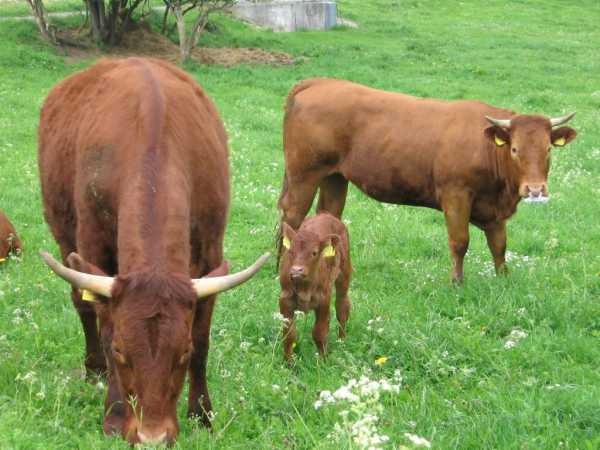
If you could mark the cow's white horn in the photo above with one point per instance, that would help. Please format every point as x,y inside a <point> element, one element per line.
<point>213,285</point>
<point>96,283</point>
<point>505,123</point>
<point>556,121</point>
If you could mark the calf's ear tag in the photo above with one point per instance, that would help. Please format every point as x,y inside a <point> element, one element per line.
<point>499,142</point>
<point>2,260</point>
<point>88,296</point>
<point>328,251</point>
<point>286,242</point>
<point>560,142</point>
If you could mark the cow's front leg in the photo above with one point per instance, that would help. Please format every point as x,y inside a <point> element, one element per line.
<point>114,407</point>
<point>286,308</point>
<point>457,211</point>
<point>198,400</point>
<point>321,326</point>
<point>495,234</point>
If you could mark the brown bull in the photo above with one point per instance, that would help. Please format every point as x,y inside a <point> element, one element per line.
<point>314,258</point>
<point>9,241</point>
<point>473,161</point>
<point>134,170</point>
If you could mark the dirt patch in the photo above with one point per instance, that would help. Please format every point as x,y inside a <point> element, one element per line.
<point>145,42</point>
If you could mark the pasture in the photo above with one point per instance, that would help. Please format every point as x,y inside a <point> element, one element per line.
<point>507,363</point>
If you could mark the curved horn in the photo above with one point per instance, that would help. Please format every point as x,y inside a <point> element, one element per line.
<point>98,284</point>
<point>505,123</point>
<point>556,121</point>
<point>209,286</point>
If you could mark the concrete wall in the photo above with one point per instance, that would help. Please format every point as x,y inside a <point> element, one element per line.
<point>289,15</point>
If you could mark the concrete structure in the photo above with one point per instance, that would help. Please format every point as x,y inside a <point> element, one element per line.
<point>288,15</point>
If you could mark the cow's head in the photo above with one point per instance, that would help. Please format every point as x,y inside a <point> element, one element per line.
<point>529,140</point>
<point>304,251</point>
<point>150,343</point>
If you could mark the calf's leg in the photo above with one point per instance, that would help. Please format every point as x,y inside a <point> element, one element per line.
<point>289,327</point>
<point>321,326</point>
<point>342,302</point>
<point>457,211</point>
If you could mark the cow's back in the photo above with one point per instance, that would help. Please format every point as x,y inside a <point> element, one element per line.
<point>396,148</point>
<point>98,126</point>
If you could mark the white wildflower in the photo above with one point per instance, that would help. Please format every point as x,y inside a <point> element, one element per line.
<point>418,440</point>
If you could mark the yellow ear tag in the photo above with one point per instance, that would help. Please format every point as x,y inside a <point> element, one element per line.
<point>560,142</point>
<point>2,260</point>
<point>499,142</point>
<point>286,242</point>
<point>88,296</point>
<point>328,251</point>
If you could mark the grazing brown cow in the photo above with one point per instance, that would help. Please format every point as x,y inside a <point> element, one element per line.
<point>9,241</point>
<point>314,258</point>
<point>421,152</point>
<point>134,170</point>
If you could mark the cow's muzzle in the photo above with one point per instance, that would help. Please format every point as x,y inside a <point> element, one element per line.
<point>297,273</point>
<point>534,190</point>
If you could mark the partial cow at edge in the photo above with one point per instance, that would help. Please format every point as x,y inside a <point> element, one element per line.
<point>472,161</point>
<point>9,240</point>
<point>134,173</point>
<point>314,258</point>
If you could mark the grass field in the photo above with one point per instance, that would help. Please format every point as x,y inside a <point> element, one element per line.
<point>462,387</point>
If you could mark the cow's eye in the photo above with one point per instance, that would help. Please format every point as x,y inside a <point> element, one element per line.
<point>514,151</point>
<point>315,252</point>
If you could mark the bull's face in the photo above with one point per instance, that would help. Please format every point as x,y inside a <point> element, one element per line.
<point>148,340</point>
<point>304,251</point>
<point>151,347</point>
<point>529,140</point>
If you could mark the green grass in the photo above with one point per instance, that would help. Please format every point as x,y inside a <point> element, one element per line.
<point>462,388</point>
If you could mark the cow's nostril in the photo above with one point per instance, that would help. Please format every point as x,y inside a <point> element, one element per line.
<point>297,272</point>
<point>152,439</point>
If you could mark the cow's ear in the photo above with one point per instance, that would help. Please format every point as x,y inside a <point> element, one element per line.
<point>330,245</point>
<point>498,135</point>
<point>288,236</point>
<point>562,136</point>
<point>76,262</point>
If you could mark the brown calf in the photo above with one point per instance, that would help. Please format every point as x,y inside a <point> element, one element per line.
<point>314,257</point>
<point>413,151</point>
<point>9,241</point>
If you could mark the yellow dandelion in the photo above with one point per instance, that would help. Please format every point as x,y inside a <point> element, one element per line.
<point>381,360</point>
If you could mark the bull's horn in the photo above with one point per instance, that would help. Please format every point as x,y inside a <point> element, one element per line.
<point>505,123</point>
<point>556,121</point>
<point>96,283</point>
<point>213,285</point>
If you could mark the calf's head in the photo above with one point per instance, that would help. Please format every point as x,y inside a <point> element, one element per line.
<point>529,140</point>
<point>304,254</point>
<point>150,343</point>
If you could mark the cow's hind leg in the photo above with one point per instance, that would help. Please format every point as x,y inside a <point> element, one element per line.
<point>296,199</point>
<point>495,234</point>
<point>342,302</point>
<point>332,194</point>
<point>457,211</point>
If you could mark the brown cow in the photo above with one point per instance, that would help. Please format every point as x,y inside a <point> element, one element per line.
<point>421,152</point>
<point>314,258</point>
<point>9,241</point>
<point>135,177</point>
